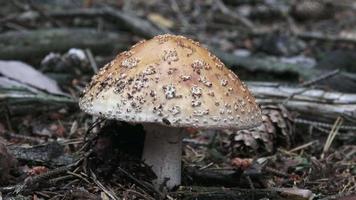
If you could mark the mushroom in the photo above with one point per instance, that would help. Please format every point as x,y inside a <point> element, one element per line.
<point>167,84</point>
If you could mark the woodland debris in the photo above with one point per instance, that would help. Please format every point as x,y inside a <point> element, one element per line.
<point>277,128</point>
<point>272,65</point>
<point>208,193</point>
<point>132,22</point>
<point>207,21</point>
<point>68,62</point>
<point>147,30</point>
<point>26,76</point>
<point>60,40</point>
<point>307,101</point>
<point>20,96</point>
<point>312,10</point>
<point>31,44</point>
<point>281,44</point>
<point>50,154</point>
<point>8,163</point>
<point>211,177</point>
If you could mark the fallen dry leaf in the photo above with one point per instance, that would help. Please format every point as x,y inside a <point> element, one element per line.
<point>19,74</point>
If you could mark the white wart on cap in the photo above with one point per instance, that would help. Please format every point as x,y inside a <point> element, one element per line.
<point>174,81</point>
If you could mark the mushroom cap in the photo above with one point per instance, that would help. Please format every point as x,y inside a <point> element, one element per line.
<point>173,81</point>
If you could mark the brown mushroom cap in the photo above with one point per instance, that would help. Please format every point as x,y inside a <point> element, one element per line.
<point>174,81</point>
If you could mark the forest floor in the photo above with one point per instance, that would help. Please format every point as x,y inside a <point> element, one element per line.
<point>297,57</point>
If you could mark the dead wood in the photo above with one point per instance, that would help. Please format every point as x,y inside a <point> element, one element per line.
<point>208,177</point>
<point>131,21</point>
<point>27,45</point>
<point>49,154</point>
<point>271,65</point>
<point>310,102</point>
<point>137,25</point>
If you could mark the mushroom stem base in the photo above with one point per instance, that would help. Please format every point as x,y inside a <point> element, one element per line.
<point>163,151</point>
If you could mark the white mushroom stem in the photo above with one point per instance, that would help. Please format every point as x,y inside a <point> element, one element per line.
<point>163,151</point>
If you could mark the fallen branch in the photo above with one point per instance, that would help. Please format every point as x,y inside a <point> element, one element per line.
<point>146,29</point>
<point>134,23</point>
<point>49,154</point>
<point>27,45</point>
<point>309,102</point>
<point>271,65</point>
<point>326,37</point>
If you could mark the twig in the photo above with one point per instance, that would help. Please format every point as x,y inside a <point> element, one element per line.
<point>81,194</point>
<point>302,146</point>
<point>323,130</point>
<point>322,124</point>
<point>27,138</point>
<point>92,126</point>
<point>34,182</point>
<point>321,78</point>
<point>312,82</point>
<point>147,187</point>
<point>244,21</point>
<point>91,59</point>
<point>107,191</point>
<point>176,9</point>
<point>134,23</point>
<point>326,37</point>
<point>250,183</point>
<point>44,14</point>
<point>79,176</point>
<point>334,131</point>
<point>276,172</point>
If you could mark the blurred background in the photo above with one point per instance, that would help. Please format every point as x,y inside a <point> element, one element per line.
<point>297,56</point>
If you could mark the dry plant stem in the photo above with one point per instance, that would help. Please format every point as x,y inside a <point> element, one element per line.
<point>163,151</point>
<point>334,131</point>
